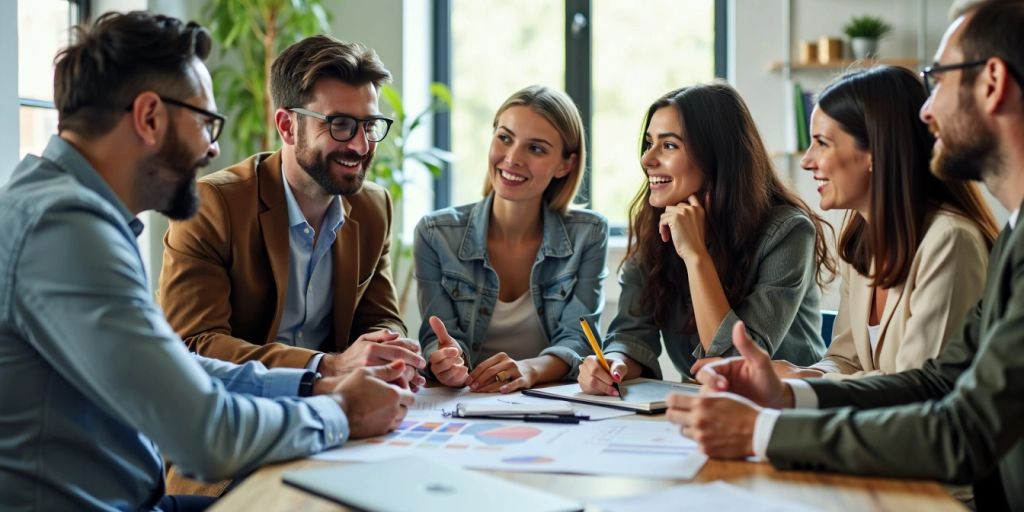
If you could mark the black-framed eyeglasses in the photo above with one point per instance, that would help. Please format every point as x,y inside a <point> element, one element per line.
<point>928,74</point>
<point>344,126</point>
<point>214,122</point>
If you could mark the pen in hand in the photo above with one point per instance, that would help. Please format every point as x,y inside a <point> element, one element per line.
<point>600,355</point>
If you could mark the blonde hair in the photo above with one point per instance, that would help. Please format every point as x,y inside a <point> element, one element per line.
<point>558,109</point>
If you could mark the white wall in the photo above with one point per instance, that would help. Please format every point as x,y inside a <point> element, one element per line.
<point>9,141</point>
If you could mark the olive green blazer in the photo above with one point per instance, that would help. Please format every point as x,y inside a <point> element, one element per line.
<point>958,419</point>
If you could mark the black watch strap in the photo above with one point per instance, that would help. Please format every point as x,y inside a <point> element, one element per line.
<point>306,383</point>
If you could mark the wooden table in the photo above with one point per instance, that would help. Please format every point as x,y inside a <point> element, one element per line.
<point>264,490</point>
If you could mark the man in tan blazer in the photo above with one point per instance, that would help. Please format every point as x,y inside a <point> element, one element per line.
<point>287,261</point>
<point>959,418</point>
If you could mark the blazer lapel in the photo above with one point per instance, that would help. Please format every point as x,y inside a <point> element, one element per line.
<point>345,259</point>
<point>274,228</point>
<point>995,298</point>
<point>860,300</point>
<point>893,298</point>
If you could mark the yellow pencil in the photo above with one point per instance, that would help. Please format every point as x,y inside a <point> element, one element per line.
<point>598,353</point>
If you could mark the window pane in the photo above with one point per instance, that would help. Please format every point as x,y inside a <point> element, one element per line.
<point>497,49</point>
<point>637,57</point>
<point>43,29</point>
<point>36,127</point>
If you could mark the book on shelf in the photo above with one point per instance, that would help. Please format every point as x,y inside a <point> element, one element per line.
<point>803,104</point>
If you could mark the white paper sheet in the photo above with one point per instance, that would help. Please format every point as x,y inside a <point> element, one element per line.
<point>652,449</point>
<point>718,496</point>
<point>446,399</point>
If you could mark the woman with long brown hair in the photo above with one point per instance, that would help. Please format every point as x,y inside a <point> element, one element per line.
<point>914,248</point>
<point>715,237</point>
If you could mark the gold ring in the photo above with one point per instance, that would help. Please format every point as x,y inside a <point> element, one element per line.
<point>501,376</point>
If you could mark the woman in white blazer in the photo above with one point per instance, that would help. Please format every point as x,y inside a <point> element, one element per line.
<point>913,249</point>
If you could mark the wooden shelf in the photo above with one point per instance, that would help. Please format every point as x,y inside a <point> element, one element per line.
<point>909,63</point>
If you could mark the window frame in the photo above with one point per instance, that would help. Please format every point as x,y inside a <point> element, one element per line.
<point>78,12</point>
<point>578,81</point>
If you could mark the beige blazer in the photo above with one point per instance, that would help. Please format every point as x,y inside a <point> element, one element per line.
<point>946,278</point>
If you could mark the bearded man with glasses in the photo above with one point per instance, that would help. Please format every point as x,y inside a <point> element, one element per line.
<point>287,261</point>
<point>957,419</point>
<point>98,391</point>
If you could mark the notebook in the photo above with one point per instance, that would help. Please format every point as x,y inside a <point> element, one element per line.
<point>645,396</point>
<point>424,485</point>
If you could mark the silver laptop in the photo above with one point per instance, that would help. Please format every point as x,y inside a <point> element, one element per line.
<point>424,485</point>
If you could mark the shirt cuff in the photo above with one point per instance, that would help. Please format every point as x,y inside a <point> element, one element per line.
<point>315,362</point>
<point>282,382</point>
<point>804,396</point>
<point>763,428</point>
<point>335,431</point>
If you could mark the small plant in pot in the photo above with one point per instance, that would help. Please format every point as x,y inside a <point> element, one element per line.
<point>864,33</point>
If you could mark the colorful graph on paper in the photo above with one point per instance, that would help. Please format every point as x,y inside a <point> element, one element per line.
<point>620,447</point>
<point>456,435</point>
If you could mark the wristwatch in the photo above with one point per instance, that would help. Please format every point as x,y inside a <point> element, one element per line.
<point>306,384</point>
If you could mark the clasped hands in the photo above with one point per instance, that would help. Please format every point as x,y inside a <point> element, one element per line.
<point>496,374</point>
<point>377,349</point>
<point>373,381</point>
<point>721,418</point>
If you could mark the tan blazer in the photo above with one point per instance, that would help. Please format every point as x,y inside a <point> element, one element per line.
<point>225,271</point>
<point>946,278</point>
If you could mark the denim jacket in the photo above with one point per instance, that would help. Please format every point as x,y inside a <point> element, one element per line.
<point>456,282</point>
<point>780,310</point>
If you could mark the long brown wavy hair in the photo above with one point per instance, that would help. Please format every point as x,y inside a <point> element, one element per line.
<point>721,138</point>
<point>879,108</point>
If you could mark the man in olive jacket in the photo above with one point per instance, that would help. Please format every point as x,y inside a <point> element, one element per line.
<point>960,418</point>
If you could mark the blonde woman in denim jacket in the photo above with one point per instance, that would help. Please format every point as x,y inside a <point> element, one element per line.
<point>503,282</point>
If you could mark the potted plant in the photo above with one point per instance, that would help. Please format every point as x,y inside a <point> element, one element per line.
<point>389,170</point>
<point>249,35</point>
<point>864,33</point>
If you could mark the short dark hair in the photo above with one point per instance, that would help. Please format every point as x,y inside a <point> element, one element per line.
<point>996,29</point>
<point>117,58</point>
<point>299,66</point>
<point>879,107</point>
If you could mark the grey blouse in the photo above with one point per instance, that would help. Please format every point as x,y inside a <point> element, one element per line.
<point>781,311</point>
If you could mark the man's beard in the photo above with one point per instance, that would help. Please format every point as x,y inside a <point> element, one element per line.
<point>317,166</point>
<point>968,150</point>
<point>171,177</point>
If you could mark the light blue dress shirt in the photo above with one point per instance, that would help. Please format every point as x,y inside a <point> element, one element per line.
<point>93,379</point>
<point>308,301</point>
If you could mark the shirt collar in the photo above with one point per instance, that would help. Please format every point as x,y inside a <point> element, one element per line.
<point>1013,218</point>
<point>63,154</point>
<point>556,240</point>
<point>333,220</point>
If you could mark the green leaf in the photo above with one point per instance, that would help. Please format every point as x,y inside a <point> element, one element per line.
<point>442,93</point>
<point>391,96</point>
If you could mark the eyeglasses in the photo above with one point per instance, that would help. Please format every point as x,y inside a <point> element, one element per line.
<point>928,75</point>
<point>214,122</point>
<point>344,127</point>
